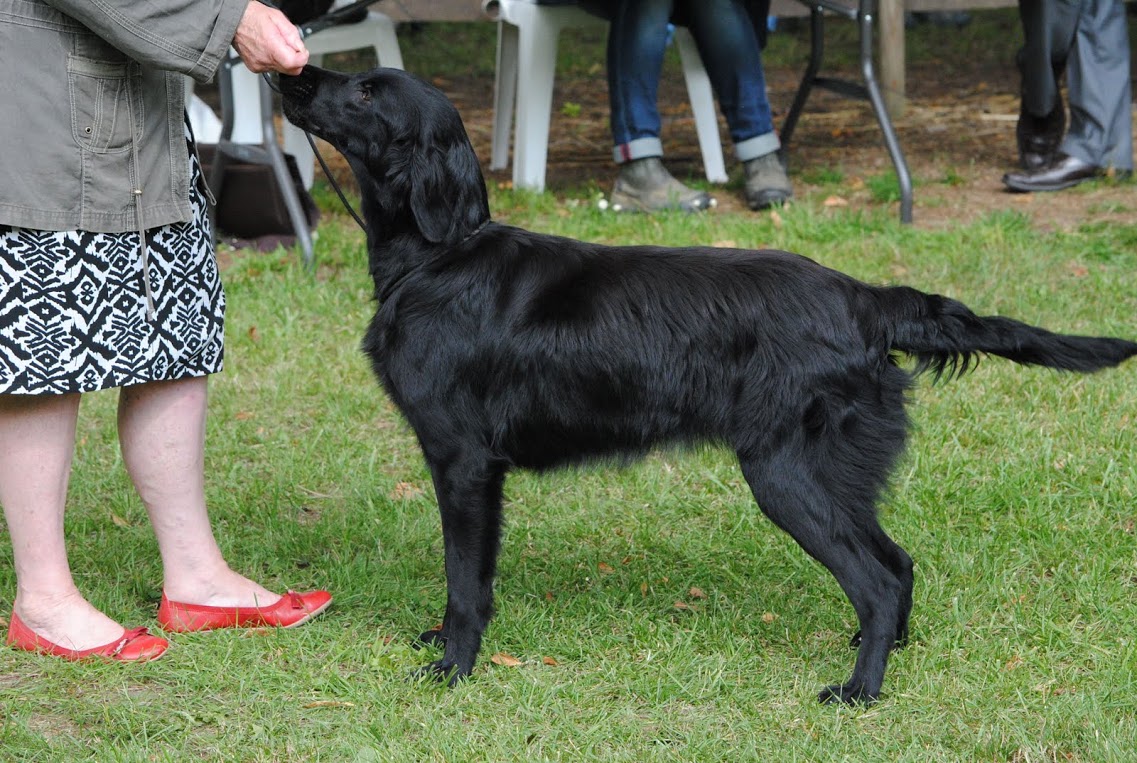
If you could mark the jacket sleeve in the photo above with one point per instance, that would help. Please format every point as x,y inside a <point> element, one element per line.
<point>186,36</point>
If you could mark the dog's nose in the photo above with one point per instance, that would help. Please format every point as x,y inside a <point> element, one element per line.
<point>299,87</point>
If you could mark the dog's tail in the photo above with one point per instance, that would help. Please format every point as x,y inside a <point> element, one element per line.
<point>946,338</point>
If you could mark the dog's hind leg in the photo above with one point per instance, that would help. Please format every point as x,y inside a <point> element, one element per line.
<point>468,486</point>
<point>897,560</point>
<point>796,501</point>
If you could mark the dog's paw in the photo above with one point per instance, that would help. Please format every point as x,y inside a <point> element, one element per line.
<point>847,694</point>
<point>434,637</point>
<point>442,672</point>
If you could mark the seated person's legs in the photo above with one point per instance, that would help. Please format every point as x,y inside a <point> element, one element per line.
<point>730,51</point>
<point>637,40</point>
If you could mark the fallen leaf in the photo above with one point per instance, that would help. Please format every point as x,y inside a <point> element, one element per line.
<point>643,589</point>
<point>835,201</point>
<point>327,703</point>
<point>682,605</point>
<point>726,244</point>
<point>243,415</point>
<point>549,661</point>
<point>548,595</point>
<point>119,521</point>
<point>606,569</point>
<point>254,334</point>
<point>1013,663</point>
<point>507,660</point>
<point>697,593</point>
<point>769,617</point>
<point>405,491</point>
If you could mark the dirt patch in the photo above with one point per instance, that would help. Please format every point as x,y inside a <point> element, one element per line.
<point>957,134</point>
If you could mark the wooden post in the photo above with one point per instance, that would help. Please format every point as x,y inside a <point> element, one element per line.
<point>891,47</point>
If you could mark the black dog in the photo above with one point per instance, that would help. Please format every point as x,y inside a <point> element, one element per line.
<point>506,349</point>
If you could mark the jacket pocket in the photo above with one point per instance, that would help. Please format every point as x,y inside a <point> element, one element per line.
<point>101,118</point>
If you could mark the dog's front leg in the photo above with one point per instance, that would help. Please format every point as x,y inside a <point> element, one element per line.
<point>469,499</point>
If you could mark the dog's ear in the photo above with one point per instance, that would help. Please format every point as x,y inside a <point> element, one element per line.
<point>448,195</point>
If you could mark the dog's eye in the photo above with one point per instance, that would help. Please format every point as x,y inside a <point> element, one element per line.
<point>364,94</point>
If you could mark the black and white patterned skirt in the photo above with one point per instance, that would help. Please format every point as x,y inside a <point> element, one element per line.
<point>73,308</point>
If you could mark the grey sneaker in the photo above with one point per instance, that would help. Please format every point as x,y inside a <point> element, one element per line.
<point>645,185</point>
<point>766,181</point>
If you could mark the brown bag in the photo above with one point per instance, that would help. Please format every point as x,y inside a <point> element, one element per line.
<point>250,204</point>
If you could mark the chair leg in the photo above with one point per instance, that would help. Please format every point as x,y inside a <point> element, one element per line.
<point>504,93</point>
<point>702,106</point>
<point>816,53</point>
<point>284,178</point>
<point>538,48</point>
<point>869,91</point>
<point>246,91</point>
<point>387,51</point>
<point>891,142</point>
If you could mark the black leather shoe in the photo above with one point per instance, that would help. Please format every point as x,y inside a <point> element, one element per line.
<point>1063,172</point>
<point>1039,137</point>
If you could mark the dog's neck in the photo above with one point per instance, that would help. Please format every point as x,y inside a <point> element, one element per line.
<point>393,256</point>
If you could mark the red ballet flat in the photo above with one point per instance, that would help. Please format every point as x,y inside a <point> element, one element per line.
<point>135,644</point>
<point>292,610</point>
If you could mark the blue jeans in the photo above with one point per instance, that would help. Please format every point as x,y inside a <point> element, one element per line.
<point>727,44</point>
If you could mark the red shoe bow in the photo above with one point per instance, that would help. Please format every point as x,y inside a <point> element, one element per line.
<point>135,645</point>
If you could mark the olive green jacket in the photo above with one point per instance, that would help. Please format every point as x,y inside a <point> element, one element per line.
<point>92,102</point>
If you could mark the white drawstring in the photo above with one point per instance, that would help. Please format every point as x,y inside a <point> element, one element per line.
<point>144,252</point>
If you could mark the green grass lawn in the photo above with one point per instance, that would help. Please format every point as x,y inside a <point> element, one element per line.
<point>648,613</point>
<point>655,614</point>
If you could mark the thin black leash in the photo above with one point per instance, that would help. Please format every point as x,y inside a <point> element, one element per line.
<point>307,30</point>
<point>323,164</point>
<point>332,180</point>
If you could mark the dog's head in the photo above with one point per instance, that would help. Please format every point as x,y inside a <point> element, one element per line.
<point>406,145</point>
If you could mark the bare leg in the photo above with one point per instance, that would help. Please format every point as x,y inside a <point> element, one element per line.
<point>161,427</point>
<point>37,440</point>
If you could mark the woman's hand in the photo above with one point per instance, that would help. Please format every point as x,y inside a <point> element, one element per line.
<point>267,41</point>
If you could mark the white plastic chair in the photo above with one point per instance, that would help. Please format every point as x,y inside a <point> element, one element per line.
<point>526,62</point>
